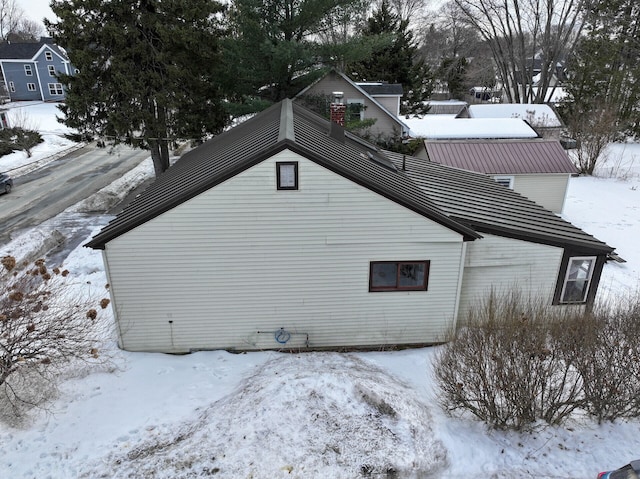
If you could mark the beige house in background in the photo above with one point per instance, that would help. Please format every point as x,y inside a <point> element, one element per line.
<point>537,169</point>
<point>378,101</point>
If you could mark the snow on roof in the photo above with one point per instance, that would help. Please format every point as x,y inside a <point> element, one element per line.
<point>436,127</point>
<point>535,114</point>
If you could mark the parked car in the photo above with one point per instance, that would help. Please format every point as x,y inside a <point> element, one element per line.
<point>630,471</point>
<point>6,183</point>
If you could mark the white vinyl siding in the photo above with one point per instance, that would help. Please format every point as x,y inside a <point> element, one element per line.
<point>242,260</point>
<point>548,190</point>
<point>502,264</point>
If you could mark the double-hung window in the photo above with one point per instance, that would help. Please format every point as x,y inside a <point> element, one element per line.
<point>52,70</point>
<point>48,56</point>
<point>28,70</point>
<point>577,279</point>
<point>398,275</point>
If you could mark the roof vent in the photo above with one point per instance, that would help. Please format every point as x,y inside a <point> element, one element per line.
<point>381,159</point>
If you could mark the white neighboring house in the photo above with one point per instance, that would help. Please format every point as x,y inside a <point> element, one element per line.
<point>286,232</point>
<point>542,118</point>
<point>538,169</point>
<point>435,127</point>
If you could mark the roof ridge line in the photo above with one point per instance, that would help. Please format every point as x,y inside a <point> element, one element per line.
<point>287,131</point>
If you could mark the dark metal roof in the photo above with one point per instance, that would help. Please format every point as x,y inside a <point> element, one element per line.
<point>283,126</point>
<point>502,156</point>
<point>481,203</point>
<point>26,51</point>
<point>375,89</point>
<point>465,202</point>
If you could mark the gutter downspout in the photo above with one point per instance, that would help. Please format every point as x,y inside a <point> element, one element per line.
<point>463,258</point>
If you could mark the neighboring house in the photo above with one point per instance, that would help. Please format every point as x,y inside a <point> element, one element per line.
<point>542,118</point>
<point>438,127</point>
<point>288,232</point>
<point>382,104</point>
<point>537,169</point>
<point>29,70</point>
<point>389,95</point>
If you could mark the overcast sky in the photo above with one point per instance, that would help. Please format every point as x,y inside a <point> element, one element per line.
<point>36,9</point>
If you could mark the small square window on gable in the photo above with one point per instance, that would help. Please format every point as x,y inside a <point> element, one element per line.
<point>48,56</point>
<point>287,175</point>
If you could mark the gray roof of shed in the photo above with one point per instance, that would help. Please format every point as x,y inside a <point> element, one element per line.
<point>445,195</point>
<point>513,157</point>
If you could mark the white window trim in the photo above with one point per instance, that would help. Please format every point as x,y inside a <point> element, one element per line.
<point>28,70</point>
<point>12,87</point>
<point>504,179</point>
<point>358,101</point>
<point>31,87</point>
<point>48,56</point>
<point>593,260</point>
<point>52,71</point>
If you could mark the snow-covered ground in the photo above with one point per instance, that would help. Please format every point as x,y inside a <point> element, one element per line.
<point>316,415</point>
<point>38,116</point>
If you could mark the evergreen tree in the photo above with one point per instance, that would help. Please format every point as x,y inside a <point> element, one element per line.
<point>274,44</point>
<point>146,70</point>
<point>396,61</point>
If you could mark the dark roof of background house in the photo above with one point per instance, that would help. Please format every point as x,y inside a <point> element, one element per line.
<point>27,50</point>
<point>502,156</point>
<point>452,107</point>
<point>375,89</point>
<point>439,193</point>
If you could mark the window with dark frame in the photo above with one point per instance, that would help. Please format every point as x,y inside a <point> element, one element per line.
<point>577,280</point>
<point>398,275</point>
<point>287,175</point>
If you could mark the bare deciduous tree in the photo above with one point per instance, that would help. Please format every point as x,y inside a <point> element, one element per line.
<point>27,30</point>
<point>10,17</point>
<point>46,327</point>
<point>527,38</point>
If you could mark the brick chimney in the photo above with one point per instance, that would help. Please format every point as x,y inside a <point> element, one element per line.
<point>338,109</point>
<point>337,116</point>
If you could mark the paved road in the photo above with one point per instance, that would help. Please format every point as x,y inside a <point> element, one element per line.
<point>48,191</point>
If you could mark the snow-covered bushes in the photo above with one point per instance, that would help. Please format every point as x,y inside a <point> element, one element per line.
<point>520,361</point>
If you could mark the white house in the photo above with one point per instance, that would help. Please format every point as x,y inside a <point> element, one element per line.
<point>288,232</point>
<point>538,169</point>
<point>542,118</point>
